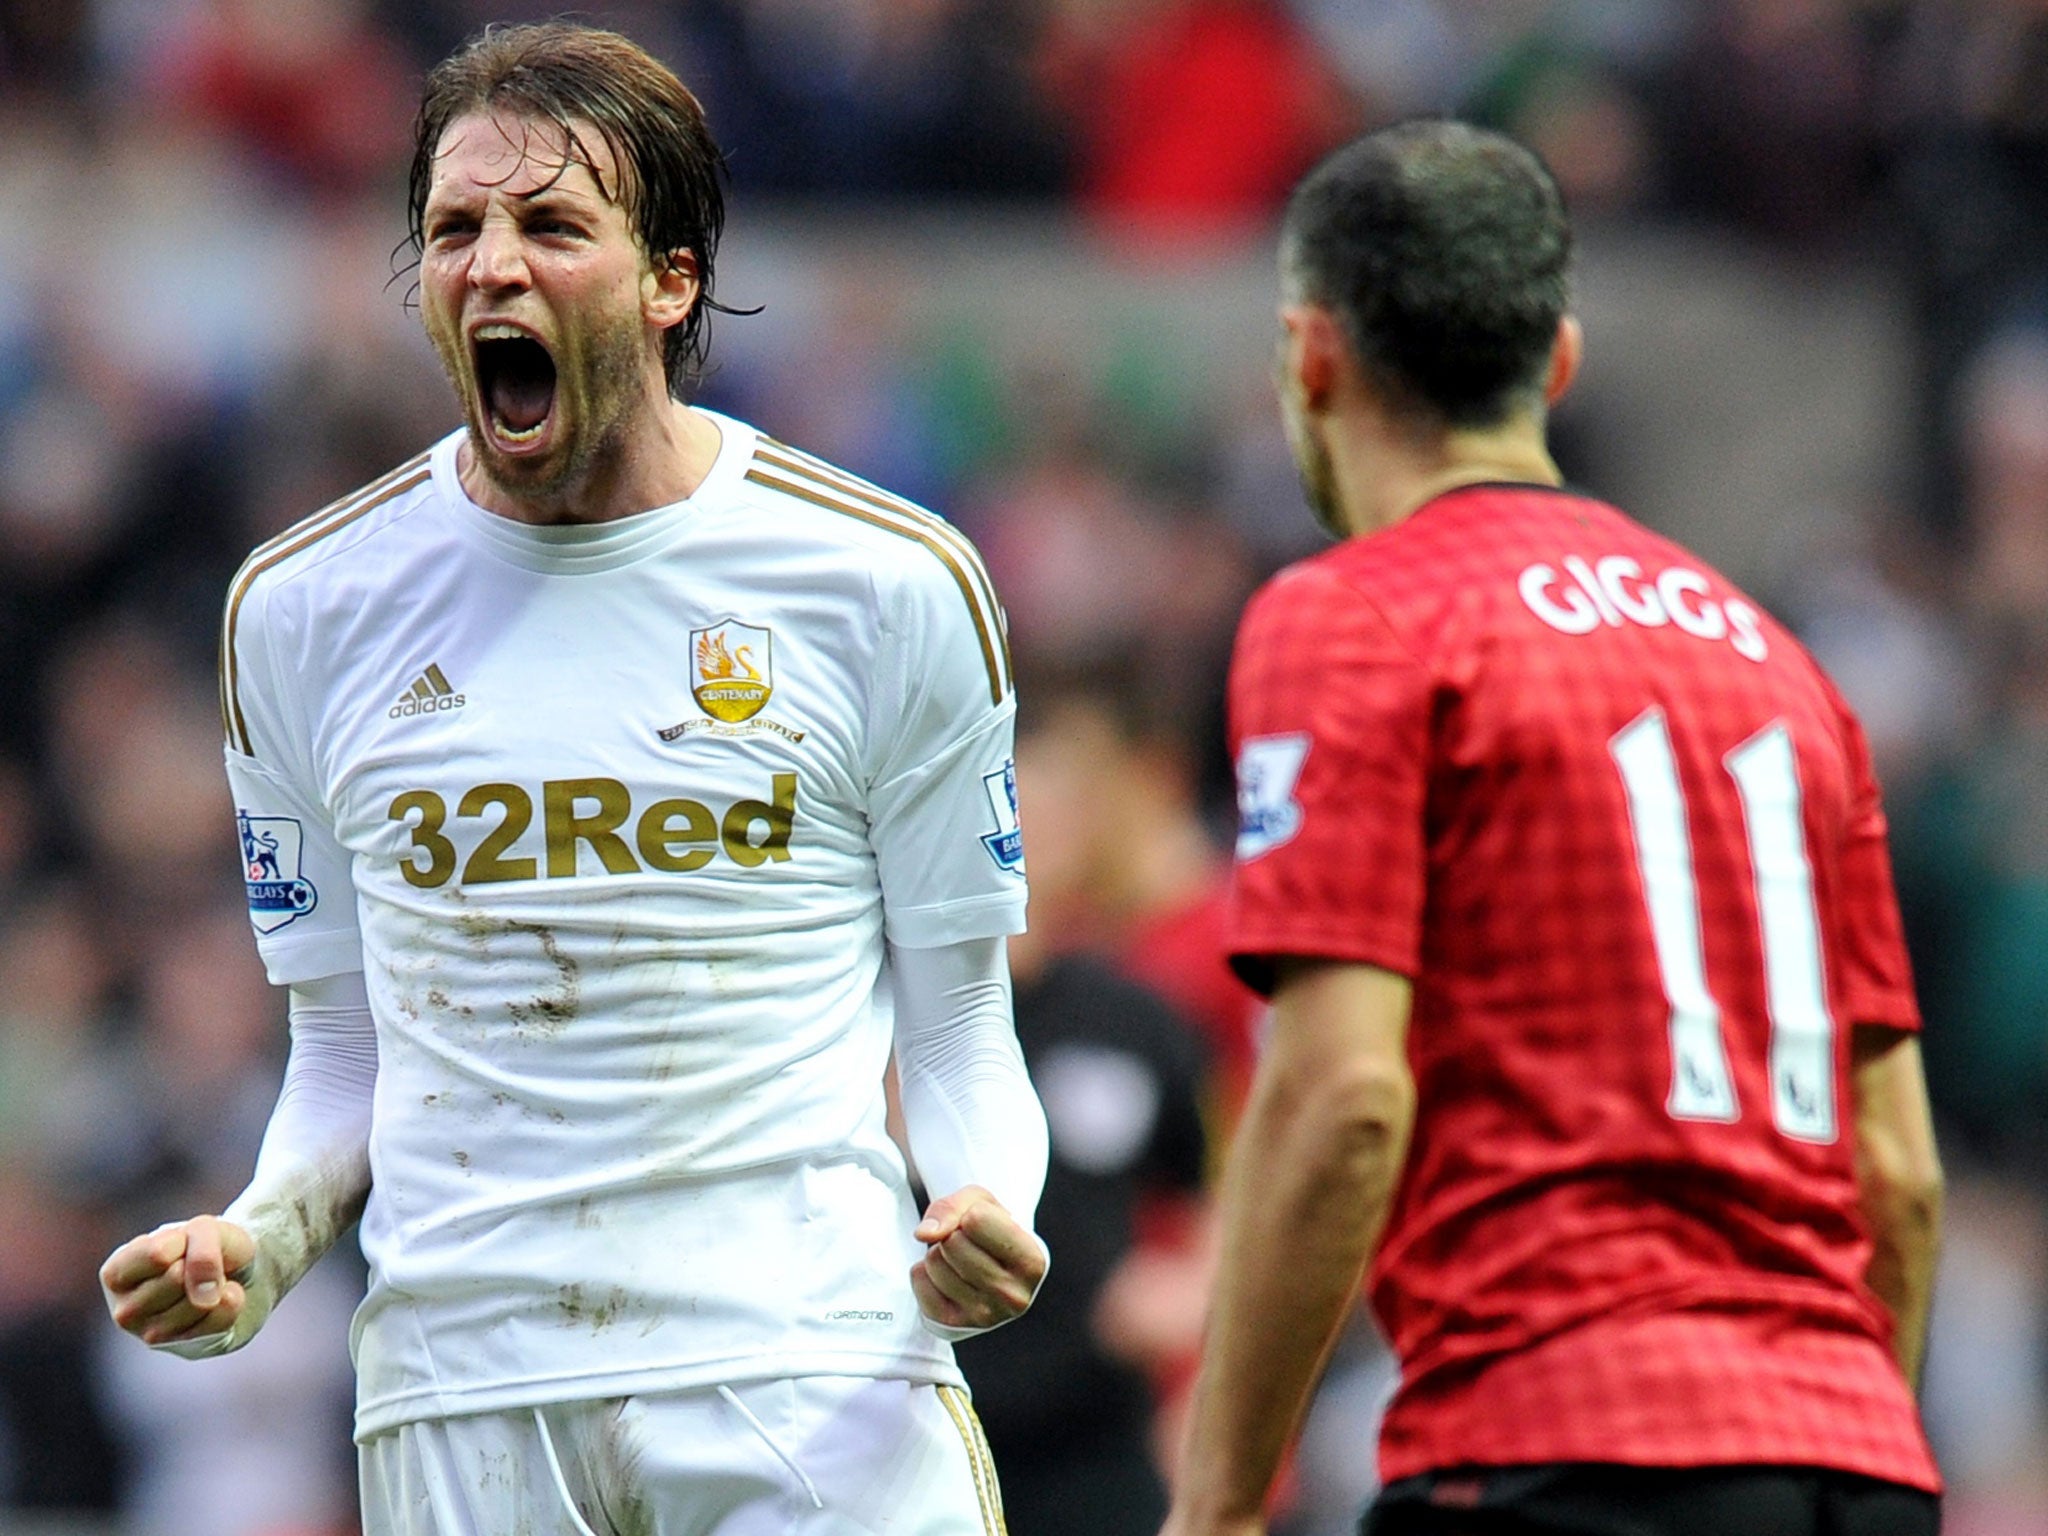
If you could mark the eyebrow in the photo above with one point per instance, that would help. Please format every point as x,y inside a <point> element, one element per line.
<point>552,194</point>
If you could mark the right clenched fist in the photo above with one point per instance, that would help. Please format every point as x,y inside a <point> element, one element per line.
<point>177,1284</point>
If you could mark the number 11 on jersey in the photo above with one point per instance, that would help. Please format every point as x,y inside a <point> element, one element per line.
<point>1765,772</point>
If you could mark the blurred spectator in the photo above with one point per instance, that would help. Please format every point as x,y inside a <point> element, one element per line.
<point>1965,128</point>
<point>1401,58</point>
<point>1123,865</point>
<point>1982,851</point>
<point>56,1026</point>
<point>56,1450</point>
<point>1101,560</point>
<point>1874,618</point>
<point>1769,117</point>
<point>307,88</point>
<point>1574,106</point>
<point>45,47</point>
<point>1974,844</point>
<point>873,98</point>
<point>135,745</point>
<point>58,1453</point>
<point>1194,115</point>
<point>2002,406</point>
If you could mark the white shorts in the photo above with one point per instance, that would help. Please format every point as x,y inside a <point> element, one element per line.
<point>807,1456</point>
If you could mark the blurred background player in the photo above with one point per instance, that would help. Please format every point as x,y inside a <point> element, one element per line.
<point>1593,1029</point>
<point>587,949</point>
<point>1137,874</point>
<point>1070,1402</point>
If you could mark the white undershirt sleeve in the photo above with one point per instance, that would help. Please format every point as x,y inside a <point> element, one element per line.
<point>313,1170</point>
<point>969,1109</point>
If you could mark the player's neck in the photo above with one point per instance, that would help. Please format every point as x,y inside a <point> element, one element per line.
<point>658,458</point>
<point>1386,471</point>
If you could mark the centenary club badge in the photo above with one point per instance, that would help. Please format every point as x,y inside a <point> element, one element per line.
<point>731,670</point>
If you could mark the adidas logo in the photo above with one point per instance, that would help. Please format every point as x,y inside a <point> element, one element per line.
<point>430,693</point>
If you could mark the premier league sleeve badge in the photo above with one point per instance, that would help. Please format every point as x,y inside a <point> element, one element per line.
<point>278,892</point>
<point>1006,844</point>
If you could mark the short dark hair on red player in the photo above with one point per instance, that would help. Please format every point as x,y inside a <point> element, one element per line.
<point>1444,249</point>
<point>671,172</point>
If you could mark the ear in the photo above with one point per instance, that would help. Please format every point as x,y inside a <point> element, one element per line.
<point>1311,359</point>
<point>668,294</point>
<point>1566,353</point>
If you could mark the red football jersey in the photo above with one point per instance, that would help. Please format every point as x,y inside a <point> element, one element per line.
<point>1624,836</point>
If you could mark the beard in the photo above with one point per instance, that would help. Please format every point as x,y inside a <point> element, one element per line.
<point>598,384</point>
<point>1317,475</point>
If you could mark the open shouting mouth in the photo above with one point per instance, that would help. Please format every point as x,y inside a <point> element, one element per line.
<point>515,377</point>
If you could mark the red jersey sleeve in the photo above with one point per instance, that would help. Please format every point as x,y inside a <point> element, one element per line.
<point>1329,720</point>
<point>1876,977</point>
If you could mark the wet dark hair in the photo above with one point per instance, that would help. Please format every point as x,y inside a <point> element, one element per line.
<point>670,170</point>
<point>1444,251</point>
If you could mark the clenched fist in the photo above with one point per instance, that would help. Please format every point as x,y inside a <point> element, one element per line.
<point>184,1281</point>
<point>981,1265</point>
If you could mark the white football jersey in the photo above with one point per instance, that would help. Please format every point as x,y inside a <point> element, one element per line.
<point>616,820</point>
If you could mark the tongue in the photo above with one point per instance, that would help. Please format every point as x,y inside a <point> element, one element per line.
<point>520,399</point>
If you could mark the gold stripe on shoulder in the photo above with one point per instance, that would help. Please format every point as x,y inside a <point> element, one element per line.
<point>808,465</point>
<point>903,528</point>
<point>824,472</point>
<point>341,504</point>
<point>278,550</point>
<point>985,1489</point>
<point>338,507</point>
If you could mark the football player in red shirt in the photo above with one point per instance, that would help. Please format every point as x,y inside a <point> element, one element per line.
<point>1565,868</point>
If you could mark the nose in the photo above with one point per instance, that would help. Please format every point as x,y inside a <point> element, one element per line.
<point>497,261</point>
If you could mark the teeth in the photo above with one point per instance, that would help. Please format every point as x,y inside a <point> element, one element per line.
<point>501,333</point>
<point>526,435</point>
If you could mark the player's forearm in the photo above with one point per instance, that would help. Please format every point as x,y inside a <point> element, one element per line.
<point>1899,1179</point>
<point>1310,1181</point>
<point>1902,1274</point>
<point>313,1172</point>
<point>1903,1211</point>
<point>969,1110</point>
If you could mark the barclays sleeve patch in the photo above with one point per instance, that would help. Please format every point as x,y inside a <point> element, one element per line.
<point>1268,815</point>
<point>279,892</point>
<point>1006,844</point>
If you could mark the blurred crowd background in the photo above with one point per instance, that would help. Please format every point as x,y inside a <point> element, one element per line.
<point>1014,258</point>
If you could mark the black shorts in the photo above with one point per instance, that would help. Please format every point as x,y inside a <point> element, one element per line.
<point>1603,1499</point>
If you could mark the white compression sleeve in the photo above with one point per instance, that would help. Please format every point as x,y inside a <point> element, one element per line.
<point>313,1170</point>
<point>968,1104</point>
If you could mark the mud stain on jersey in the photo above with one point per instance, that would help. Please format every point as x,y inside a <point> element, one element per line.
<point>439,1000</point>
<point>546,1013</point>
<point>587,1217</point>
<point>596,1313</point>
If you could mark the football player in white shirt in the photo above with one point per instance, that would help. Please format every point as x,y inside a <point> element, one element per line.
<point>617,789</point>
